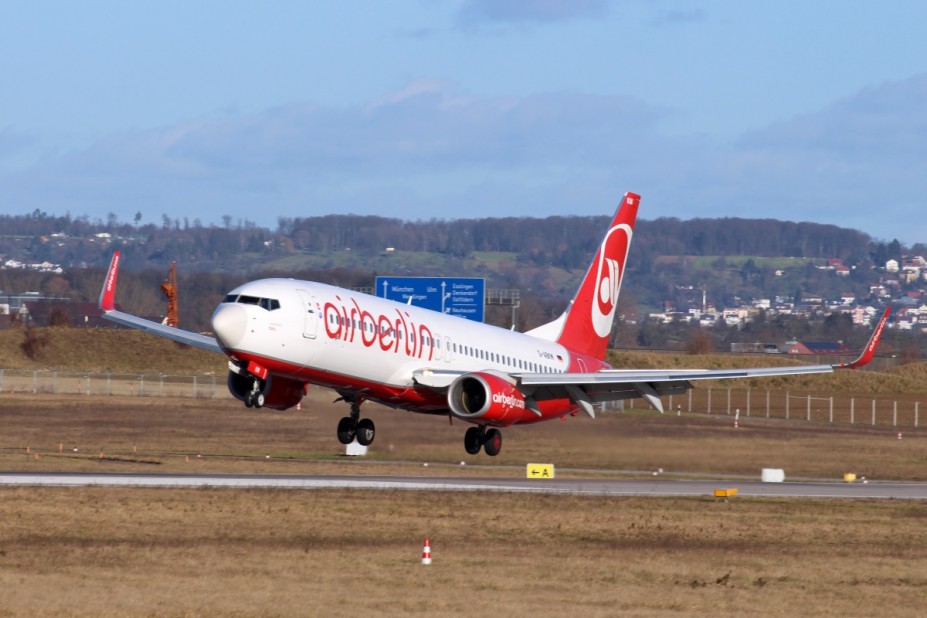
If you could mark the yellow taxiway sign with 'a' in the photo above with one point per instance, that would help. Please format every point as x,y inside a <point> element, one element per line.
<point>540,471</point>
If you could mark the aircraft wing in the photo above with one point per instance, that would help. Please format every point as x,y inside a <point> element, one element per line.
<point>586,389</point>
<point>108,306</point>
<point>650,384</point>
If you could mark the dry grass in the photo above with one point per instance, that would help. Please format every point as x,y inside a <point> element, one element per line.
<point>107,552</point>
<point>154,434</point>
<point>106,350</point>
<point>160,552</point>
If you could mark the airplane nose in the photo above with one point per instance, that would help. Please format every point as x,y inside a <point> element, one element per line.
<point>229,323</point>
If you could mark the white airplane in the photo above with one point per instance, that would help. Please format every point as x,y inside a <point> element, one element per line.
<point>281,335</point>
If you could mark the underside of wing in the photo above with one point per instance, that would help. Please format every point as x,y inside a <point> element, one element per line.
<point>108,306</point>
<point>651,384</point>
<point>162,330</point>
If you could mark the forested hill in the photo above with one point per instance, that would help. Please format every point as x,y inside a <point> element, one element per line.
<point>563,241</point>
<point>672,263</point>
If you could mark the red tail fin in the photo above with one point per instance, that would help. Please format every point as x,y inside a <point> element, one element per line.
<point>587,323</point>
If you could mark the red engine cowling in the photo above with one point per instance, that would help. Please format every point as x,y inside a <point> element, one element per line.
<point>487,398</point>
<point>279,393</point>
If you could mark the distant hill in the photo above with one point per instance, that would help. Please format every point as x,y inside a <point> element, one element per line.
<point>672,262</point>
<point>561,241</point>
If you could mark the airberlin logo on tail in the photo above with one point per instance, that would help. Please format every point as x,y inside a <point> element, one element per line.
<point>107,300</point>
<point>611,256</point>
<point>110,283</point>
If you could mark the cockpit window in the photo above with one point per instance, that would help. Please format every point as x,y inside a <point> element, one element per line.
<point>269,304</point>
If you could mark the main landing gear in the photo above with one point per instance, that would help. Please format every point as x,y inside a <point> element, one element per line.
<point>478,438</point>
<point>351,427</point>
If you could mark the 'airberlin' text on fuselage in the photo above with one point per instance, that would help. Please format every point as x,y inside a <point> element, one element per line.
<point>398,334</point>
<point>508,401</point>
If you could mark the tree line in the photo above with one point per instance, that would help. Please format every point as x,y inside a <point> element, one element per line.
<point>544,258</point>
<point>561,241</point>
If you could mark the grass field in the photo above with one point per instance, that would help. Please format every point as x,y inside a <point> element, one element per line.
<point>105,552</point>
<point>164,552</point>
<point>161,552</point>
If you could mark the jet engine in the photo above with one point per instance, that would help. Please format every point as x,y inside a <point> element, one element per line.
<point>486,398</point>
<point>279,393</point>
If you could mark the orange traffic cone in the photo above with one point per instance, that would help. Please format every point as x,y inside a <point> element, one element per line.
<point>426,553</point>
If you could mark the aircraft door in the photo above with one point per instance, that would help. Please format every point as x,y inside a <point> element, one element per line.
<point>310,309</point>
<point>448,351</point>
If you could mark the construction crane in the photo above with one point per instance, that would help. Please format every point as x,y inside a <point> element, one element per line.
<point>169,288</point>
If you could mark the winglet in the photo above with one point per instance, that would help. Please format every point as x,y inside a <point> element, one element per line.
<point>108,293</point>
<point>869,350</point>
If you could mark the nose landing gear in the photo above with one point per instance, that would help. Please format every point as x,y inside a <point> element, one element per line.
<point>255,397</point>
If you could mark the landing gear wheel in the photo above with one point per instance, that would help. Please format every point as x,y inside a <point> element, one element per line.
<point>473,440</point>
<point>492,443</point>
<point>347,430</point>
<point>365,432</point>
<point>249,400</point>
<point>258,400</point>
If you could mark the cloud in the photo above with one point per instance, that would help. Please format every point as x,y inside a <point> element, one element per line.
<point>859,161</point>
<point>474,14</point>
<point>678,16</point>
<point>424,145</point>
<point>889,120</point>
<point>13,143</point>
<point>427,125</point>
<point>430,150</point>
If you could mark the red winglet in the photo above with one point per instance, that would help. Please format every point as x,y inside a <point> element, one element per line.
<point>870,349</point>
<point>108,293</point>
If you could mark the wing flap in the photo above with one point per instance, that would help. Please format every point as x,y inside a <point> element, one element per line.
<point>437,379</point>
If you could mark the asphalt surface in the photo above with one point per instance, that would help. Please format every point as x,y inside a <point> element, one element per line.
<point>599,487</point>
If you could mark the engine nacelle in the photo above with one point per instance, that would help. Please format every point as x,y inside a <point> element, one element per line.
<point>279,393</point>
<point>487,398</point>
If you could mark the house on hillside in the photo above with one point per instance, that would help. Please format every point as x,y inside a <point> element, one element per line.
<point>62,313</point>
<point>816,347</point>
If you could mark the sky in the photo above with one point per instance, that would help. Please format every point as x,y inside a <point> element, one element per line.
<point>449,109</point>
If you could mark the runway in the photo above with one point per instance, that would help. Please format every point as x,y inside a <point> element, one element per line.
<point>657,487</point>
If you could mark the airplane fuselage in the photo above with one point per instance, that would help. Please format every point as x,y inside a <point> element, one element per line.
<point>351,341</point>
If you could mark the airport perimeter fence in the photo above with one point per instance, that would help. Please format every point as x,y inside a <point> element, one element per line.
<point>111,384</point>
<point>899,411</point>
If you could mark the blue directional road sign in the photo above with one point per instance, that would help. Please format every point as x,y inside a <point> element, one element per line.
<point>463,297</point>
